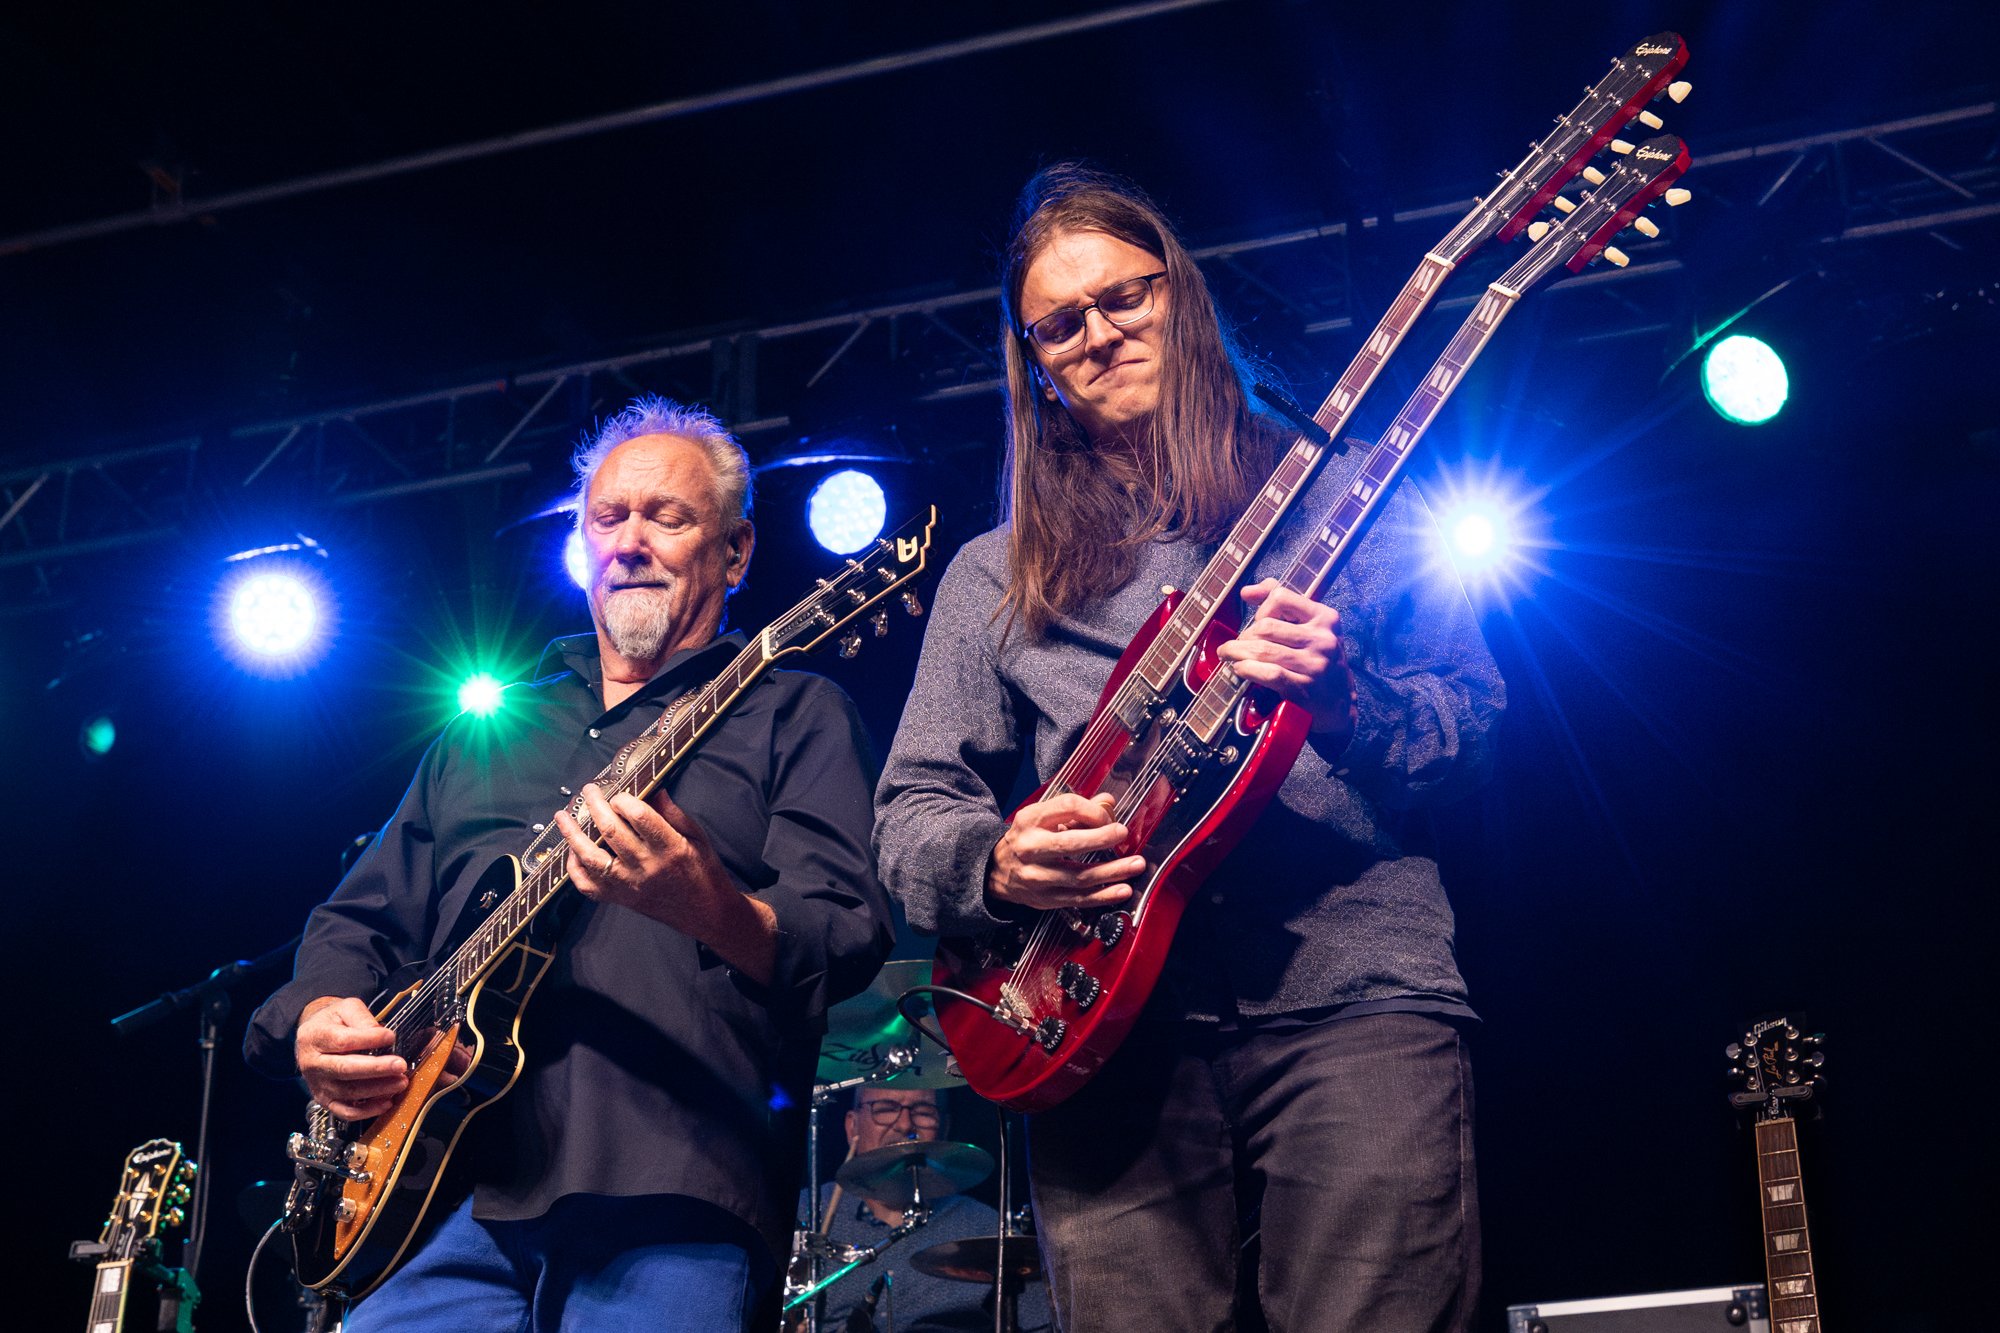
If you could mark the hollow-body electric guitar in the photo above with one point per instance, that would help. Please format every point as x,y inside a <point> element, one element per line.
<point>1191,755</point>
<point>1777,1067</point>
<point>152,1193</point>
<point>362,1191</point>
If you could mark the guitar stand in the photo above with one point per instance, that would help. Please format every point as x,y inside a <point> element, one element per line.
<point>178,1293</point>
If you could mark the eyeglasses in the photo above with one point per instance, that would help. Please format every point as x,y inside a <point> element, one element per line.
<point>1125,303</point>
<point>886,1112</point>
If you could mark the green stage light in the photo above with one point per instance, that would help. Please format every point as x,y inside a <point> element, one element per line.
<point>1745,380</point>
<point>97,736</point>
<point>480,696</point>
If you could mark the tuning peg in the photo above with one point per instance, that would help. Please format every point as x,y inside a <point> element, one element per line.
<point>1537,230</point>
<point>1593,175</point>
<point>850,643</point>
<point>879,622</point>
<point>1816,1059</point>
<point>1563,205</point>
<point>1613,255</point>
<point>1646,227</point>
<point>1677,196</point>
<point>1733,1050</point>
<point>1650,121</point>
<point>1679,89</point>
<point>912,603</point>
<point>1620,147</point>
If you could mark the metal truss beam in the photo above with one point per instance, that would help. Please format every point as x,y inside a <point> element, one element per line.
<point>1935,175</point>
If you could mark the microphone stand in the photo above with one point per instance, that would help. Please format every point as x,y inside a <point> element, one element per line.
<point>211,996</point>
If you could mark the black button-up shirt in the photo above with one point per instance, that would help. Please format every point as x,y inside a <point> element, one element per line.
<point>652,1067</point>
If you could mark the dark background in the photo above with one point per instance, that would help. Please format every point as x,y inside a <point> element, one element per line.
<point>1745,761</point>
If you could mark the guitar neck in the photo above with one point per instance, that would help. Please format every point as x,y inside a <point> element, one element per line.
<point>107,1300</point>
<point>1328,547</point>
<point>638,768</point>
<point>1230,564</point>
<point>1788,1265</point>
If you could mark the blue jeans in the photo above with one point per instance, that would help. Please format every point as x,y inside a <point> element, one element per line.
<point>1347,1143</point>
<point>589,1263</point>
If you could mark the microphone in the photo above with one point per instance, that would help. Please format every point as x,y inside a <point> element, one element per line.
<point>861,1319</point>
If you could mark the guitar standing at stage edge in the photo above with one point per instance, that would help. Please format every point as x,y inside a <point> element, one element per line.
<point>1305,1031</point>
<point>641,1170</point>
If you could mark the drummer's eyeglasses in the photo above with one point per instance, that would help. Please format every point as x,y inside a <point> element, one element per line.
<point>886,1112</point>
<point>1123,303</point>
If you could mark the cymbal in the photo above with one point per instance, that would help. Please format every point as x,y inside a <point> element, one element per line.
<point>891,1176</point>
<point>862,1030</point>
<point>972,1260</point>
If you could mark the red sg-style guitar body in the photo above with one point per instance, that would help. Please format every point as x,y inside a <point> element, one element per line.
<point>1074,982</point>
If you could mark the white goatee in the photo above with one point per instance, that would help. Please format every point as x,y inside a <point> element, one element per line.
<point>637,621</point>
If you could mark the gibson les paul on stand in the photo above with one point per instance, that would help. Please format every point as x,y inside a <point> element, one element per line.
<point>361,1191</point>
<point>1778,1069</point>
<point>152,1193</point>
<point>1062,993</point>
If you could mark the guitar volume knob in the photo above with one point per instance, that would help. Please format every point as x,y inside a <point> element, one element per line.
<point>1050,1032</point>
<point>1111,927</point>
<point>1079,985</point>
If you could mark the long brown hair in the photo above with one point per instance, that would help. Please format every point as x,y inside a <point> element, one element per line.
<point>1077,528</point>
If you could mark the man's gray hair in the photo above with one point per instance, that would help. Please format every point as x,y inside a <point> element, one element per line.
<point>651,414</point>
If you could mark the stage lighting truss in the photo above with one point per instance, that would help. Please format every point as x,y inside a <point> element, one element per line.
<point>1931,179</point>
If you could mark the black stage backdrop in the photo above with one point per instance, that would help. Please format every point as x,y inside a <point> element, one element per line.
<point>1747,759</point>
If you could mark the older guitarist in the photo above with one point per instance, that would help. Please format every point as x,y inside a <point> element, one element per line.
<point>1304,1042</point>
<point>642,1172</point>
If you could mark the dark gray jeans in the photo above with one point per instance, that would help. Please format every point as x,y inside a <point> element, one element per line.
<point>1349,1143</point>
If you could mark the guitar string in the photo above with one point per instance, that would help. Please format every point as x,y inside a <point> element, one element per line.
<point>421,1013</point>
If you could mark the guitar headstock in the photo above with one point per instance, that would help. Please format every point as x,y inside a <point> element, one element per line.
<point>1774,1063</point>
<point>153,1192</point>
<point>1587,228</point>
<point>1645,73</point>
<point>887,566</point>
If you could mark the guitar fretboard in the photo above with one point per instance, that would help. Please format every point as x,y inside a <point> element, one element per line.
<point>107,1301</point>
<point>1328,546</point>
<point>1788,1265</point>
<point>641,765</point>
<point>1155,671</point>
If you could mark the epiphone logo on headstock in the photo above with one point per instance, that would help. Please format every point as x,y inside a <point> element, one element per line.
<point>1653,49</point>
<point>142,1158</point>
<point>1654,155</point>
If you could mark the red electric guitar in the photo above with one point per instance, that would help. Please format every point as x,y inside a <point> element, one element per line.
<point>1778,1068</point>
<point>1192,755</point>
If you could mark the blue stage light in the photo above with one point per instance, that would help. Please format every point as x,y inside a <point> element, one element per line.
<point>1479,535</point>
<point>480,695</point>
<point>846,511</point>
<point>274,616</point>
<point>1745,380</point>
<point>575,560</point>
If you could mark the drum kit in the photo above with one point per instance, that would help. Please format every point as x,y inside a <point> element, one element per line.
<point>868,1041</point>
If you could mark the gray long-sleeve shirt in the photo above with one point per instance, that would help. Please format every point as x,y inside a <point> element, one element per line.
<point>1319,907</point>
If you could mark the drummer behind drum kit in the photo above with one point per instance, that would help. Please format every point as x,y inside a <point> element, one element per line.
<point>868,1041</point>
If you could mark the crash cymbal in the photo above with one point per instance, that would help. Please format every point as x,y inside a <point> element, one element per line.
<point>972,1260</point>
<point>863,1030</point>
<point>891,1176</point>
